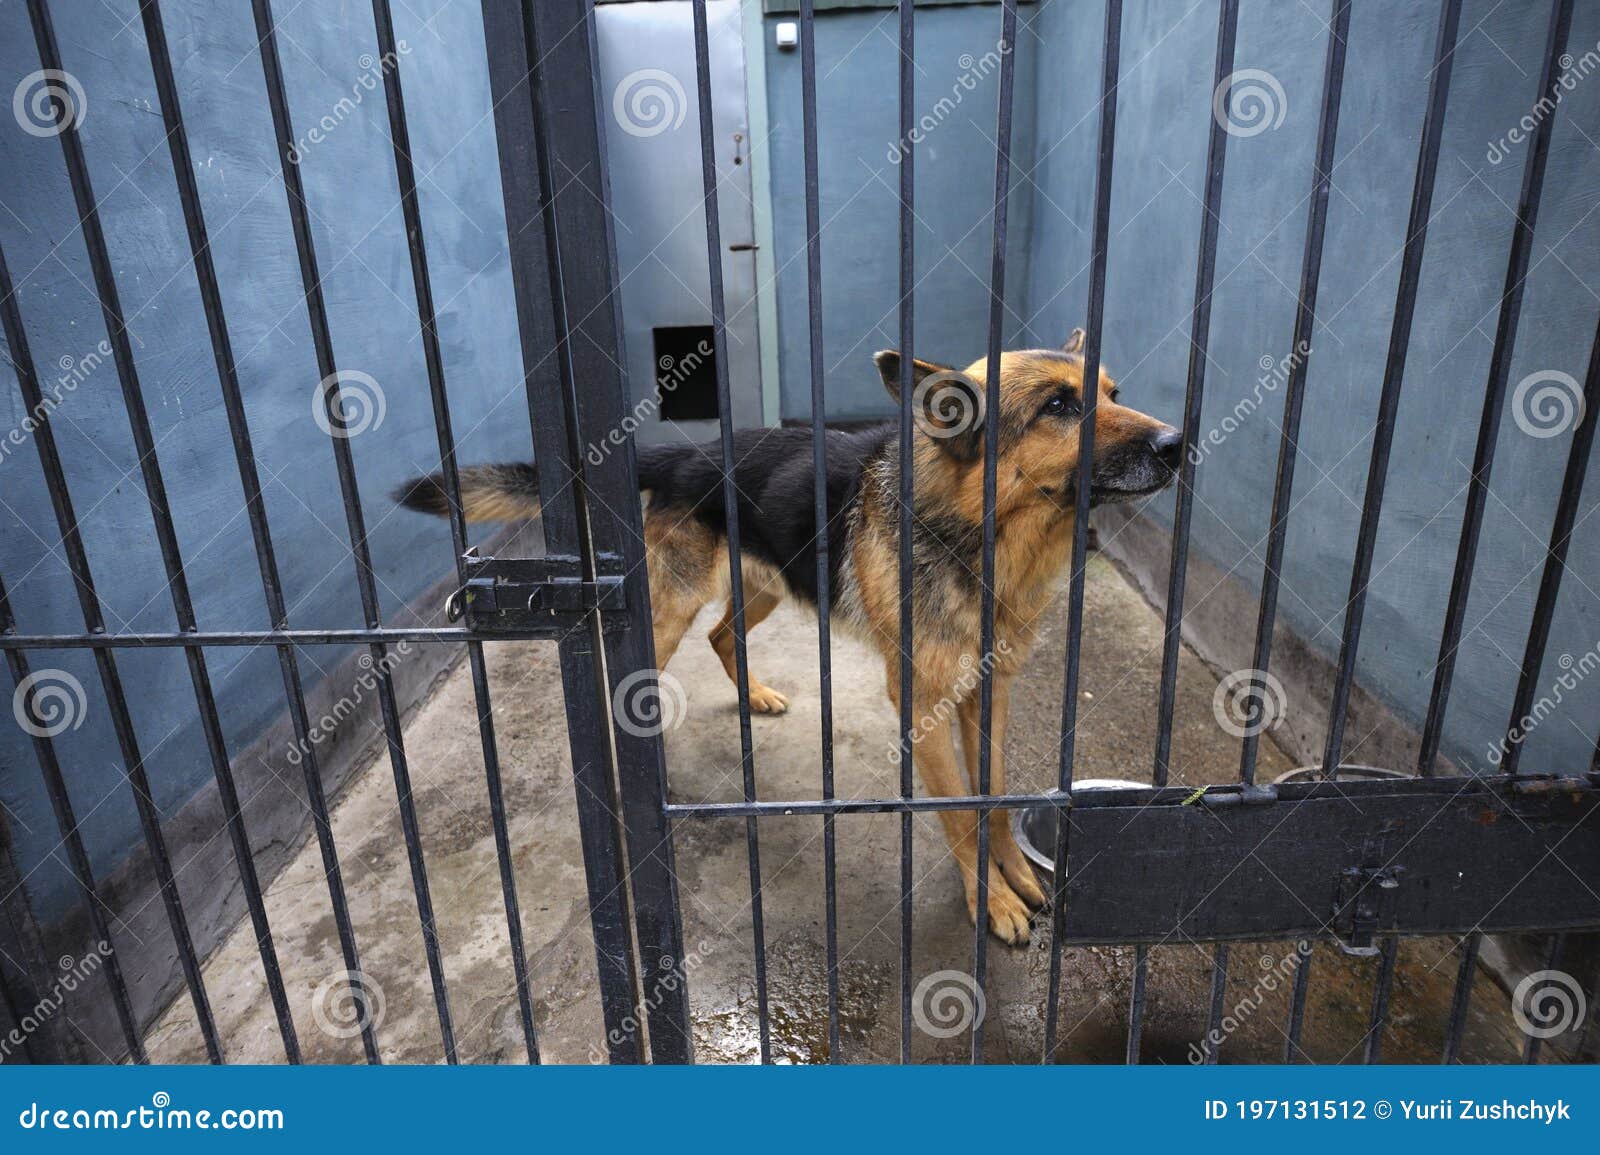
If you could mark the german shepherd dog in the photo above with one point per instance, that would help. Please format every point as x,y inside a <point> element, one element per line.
<point>1041,401</point>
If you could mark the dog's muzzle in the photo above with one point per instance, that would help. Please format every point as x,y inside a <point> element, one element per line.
<point>1139,467</point>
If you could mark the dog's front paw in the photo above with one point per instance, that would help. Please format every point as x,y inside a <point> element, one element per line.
<point>1009,916</point>
<point>766,700</point>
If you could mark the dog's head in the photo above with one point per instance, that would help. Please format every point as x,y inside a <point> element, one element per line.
<point>1041,408</point>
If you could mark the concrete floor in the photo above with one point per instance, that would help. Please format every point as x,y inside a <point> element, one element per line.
<point>1120,662</point>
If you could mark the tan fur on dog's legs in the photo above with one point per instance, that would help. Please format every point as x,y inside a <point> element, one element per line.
<point>1003,848</point>
<point>763,699</point>
<point>935,760</point>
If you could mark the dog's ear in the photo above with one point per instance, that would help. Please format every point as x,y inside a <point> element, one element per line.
<point>1074,343</point>
<point>888,363</point>
<point>946,404</point>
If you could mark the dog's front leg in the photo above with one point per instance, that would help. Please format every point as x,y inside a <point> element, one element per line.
<point>936,762</point>
<point>1002,845</point>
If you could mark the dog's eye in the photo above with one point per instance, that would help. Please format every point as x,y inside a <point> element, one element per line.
<point>1058,406</point>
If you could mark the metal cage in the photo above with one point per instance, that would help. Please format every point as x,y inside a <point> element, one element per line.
<point>1385,868</point>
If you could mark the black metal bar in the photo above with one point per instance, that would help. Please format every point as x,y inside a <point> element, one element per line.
<point>1393,371</point>
<point>77,856</point>
<point>1295,389</point>
<point>991,462</point>
<point>908,278</point>
<point>105,285</point>
<point>105,662</point>
<point>1211,1045</point>
<point>1105,155</point>
<point>344,463</point>
<point>819,468</point>
<point>1461,997</point>
<point>1141,971</point>
<point>1555,566</point>
<point>1534,1043</point>
<point>250,639</point>
<point>239,430</point>
<point>543,118</point>
<point>1292,1052</point>
<point>1505,339</point>
<point>1194,393</point>
<point>730,498</point>
<point>1382,986</point>
<point>400,137</point>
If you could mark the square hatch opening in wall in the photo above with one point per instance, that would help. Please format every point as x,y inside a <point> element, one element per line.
<point>686,372</point>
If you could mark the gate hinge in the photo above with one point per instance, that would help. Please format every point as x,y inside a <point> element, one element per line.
<point>1362,898</point>
<point>536,596</point>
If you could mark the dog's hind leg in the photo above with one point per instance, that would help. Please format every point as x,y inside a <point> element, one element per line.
<point>1002,846</point>
<point>763,699</point>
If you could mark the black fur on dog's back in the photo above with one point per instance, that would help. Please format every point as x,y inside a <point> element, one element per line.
<point>773,473</point>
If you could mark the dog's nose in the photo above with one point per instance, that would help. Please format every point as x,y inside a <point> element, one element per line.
<point>1167,445</point>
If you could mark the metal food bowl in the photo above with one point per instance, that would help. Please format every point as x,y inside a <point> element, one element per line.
<point>1034,827</point>
<point>1347,772</point>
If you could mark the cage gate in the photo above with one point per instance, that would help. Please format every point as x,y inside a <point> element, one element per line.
<point>1353,864</point>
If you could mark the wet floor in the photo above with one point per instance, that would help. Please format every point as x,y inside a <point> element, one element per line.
<point>1120,668</point>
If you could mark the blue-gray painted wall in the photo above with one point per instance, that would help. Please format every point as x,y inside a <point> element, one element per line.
<point>326,48</point>
<point>1164,105</point>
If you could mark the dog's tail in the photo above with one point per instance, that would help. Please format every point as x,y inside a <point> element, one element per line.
<point>508,492</point>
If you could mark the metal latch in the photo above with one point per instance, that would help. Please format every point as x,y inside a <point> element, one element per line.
<point>536,596</point>
<point>1363,896</point>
